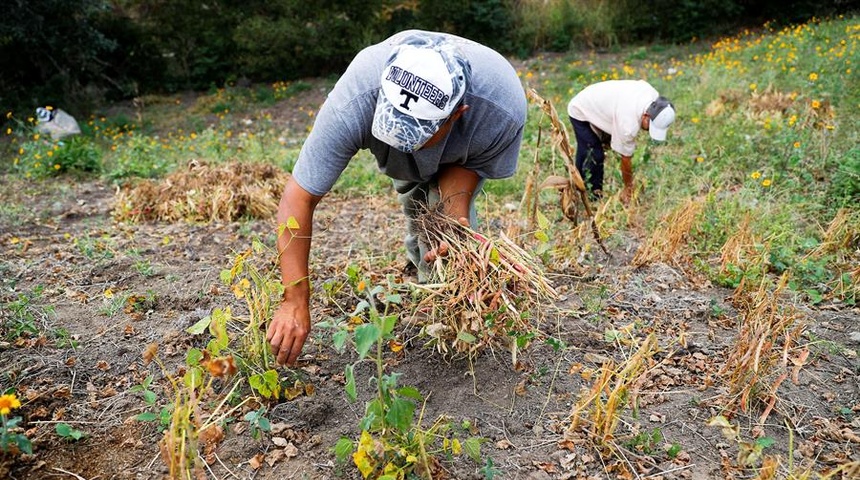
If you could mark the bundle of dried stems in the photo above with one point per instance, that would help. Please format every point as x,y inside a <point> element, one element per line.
<point>487,290</point>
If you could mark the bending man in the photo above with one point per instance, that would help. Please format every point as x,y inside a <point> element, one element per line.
<point>440,114</point>
<point>612,113</point>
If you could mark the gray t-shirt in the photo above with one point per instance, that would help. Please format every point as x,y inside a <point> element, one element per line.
<point>486,139</point>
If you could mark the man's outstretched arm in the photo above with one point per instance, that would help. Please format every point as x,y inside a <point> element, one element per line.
<point>291,323</point>
<point>627,178</point>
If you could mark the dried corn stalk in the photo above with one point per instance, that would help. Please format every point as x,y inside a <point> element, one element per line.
<point>573,184</point>
<point>485,288</point>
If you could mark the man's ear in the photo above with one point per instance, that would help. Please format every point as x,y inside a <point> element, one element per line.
<point>459,112</point>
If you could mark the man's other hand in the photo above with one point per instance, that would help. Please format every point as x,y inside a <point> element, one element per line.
<point>442,249</point>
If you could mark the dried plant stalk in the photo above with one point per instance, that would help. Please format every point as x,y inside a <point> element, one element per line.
<point>667,239</point>
<point>204,193</point>
<point>766,350</point>
<point>574,183</point>
<point>614,387</point>
<point>842,234</point>
<point>485,289</point>
<point>737,247</point>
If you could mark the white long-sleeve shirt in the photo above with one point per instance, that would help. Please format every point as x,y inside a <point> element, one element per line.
<point>615,107</point>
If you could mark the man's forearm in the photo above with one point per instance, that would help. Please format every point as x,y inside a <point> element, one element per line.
<point>627,171</point>
<point>456,187</point>
<point>295,227</point>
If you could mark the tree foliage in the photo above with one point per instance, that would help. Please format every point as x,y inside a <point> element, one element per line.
<point>76,53</point>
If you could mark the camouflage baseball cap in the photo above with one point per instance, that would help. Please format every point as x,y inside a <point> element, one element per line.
<point>423,81</point>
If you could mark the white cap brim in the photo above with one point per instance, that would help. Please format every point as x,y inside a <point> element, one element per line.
<point>659,125</point>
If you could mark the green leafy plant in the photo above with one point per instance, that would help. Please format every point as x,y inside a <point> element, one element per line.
<point>138,156</point>
<point>489,470</point>
<point>67,432</point>
<point>749,452</point>
<point>64,339</point>
<point>646,442</point>
<point>23,315</point>
<point>392,444</point>
<point>258,422</point>
<point>144,267</point>
<point>153,412</point>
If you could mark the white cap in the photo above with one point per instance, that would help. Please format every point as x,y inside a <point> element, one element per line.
<point>662,114</point>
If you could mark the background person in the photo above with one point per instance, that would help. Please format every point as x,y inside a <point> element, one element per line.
<point>440,114</point>
<point>612,113</point>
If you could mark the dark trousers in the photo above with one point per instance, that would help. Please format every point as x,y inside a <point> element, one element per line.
<point>589,154</point>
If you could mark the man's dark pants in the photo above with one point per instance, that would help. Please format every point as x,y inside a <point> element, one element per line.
<point>589,154</point>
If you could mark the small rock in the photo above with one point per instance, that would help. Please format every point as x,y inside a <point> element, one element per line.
<point>538,475</point>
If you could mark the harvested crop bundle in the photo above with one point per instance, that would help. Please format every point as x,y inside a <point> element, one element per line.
<point>487,290</point>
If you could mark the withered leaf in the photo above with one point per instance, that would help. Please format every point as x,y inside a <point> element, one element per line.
<point>256,461</point>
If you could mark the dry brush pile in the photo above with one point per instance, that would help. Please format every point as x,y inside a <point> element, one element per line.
<point>204,193</point>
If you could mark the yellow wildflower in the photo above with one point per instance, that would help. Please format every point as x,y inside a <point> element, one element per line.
<point>796,144</point>
<point>695,119</point>
<point>753,86</point>
<point>816,104</point>
<point>755,175</point>
<point>766,182</point>
<point>700,159</point>
<point>8,403</point>
<point>813,77</point>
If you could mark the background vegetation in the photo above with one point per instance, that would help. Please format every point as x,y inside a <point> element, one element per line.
<point>77,53</point>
